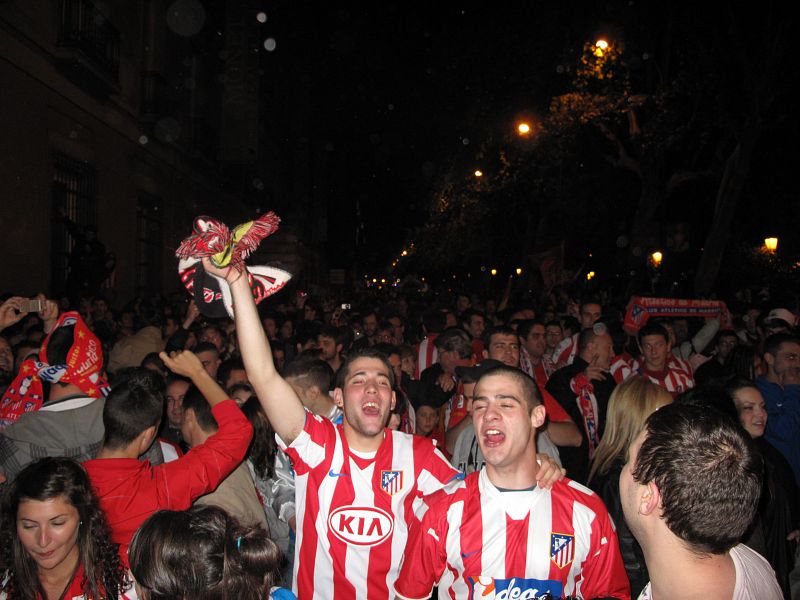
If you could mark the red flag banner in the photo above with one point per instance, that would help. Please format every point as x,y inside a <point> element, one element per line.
<point>640,309</point>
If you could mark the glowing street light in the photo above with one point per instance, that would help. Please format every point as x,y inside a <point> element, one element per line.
<point>590,275</point>
<point>524,128</point>
<point>519,270</point>
<point>600,47</point>
<point>404,253</point>
<point>771,244</point>
<point>478,173</point>
<point>656,257</point>
<point>494,271</point>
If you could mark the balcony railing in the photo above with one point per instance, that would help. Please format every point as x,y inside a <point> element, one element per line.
<point>82,27</point>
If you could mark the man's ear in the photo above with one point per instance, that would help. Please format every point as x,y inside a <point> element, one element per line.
<point>394,401</point>
<point>485,354</point>
<point>538,416</point>
<point>146,438</point>
<point>338,397</point>
<point>650,499</point>
<point>769,359</point>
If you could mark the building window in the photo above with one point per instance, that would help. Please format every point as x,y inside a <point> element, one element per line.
<point>74,233</point>
<point>149,244</point>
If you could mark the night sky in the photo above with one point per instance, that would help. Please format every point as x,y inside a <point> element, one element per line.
<point>404,96</point>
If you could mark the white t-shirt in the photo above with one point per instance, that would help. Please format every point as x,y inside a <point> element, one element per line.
<point>755,579</point>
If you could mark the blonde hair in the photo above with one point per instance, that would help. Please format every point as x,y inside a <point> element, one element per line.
<point>631,403</point>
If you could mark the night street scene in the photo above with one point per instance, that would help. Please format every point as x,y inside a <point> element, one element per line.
<point>411,300</point>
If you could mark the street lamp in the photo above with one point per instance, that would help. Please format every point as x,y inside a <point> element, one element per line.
<point>524,128</point>
<point>478,173</point>
<point>494,271</point>
<point>771,244</point>
<point>656,257</point>
<point>519,270</point>
<point>600,47</point>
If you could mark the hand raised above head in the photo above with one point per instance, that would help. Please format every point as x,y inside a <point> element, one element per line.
<point>11,311</point>
<point>229,273</point>
<point>183,362</point>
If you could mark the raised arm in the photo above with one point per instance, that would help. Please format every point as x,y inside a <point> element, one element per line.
<point>186,363</point>
<point>279,401</point>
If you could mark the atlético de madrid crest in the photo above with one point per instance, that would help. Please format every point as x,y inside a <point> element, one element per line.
<point>391,482</point>
<point>562,549</point>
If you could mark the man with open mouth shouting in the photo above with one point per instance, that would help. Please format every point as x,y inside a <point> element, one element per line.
<point>499,535</point>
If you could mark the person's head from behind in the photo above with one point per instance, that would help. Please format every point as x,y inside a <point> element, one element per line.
<point>630,404</point>
<point>507,410</point>
<point>202,554</point>
<point>133,409</point>
<point>153,362</point>
<point>693,474</point>
<point>198,422</point>
<point>365,392</point>
<point>51,522</point>
<point>310,378</point>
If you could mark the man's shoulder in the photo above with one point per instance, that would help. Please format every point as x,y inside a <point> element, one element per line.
<point>576,492</point>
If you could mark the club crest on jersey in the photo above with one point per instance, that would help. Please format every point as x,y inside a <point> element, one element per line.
<point>391,482</point>
<point>562,549</point>
<point>515,588</point>
<point>361,525</point>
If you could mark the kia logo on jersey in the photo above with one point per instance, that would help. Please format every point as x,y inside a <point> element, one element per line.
<point>488,588</point>
<point>361,525</point>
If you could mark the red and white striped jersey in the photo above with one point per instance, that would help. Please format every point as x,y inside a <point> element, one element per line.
<point>427,354</point>
<point>353,513</point>
<point>565,352</point>
<point>674,379</point>
<point>620,368</point>
<point>540,372</point>
<point>480,542</point>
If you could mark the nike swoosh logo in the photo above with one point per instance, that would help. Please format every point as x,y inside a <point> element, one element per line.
<point>332,474</point>
<point>468,554</point>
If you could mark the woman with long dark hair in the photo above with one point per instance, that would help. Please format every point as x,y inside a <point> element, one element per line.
<point>54,541</point>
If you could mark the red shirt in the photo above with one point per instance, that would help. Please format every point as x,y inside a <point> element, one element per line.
<point>130,490</point>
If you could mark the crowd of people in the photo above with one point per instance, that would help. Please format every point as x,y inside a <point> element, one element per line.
<point>401,444</point>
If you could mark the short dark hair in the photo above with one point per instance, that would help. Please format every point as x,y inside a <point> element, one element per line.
<point>467,315</point>
<point>773,343</point>
<point>708,474</point>
<point>310,371</point>
<point>434,321</point>
<point>524,327</point>
<point>653,329</point>
<point>529,388</point>
<point>206,347</point>
<point>202,410</point>
<point>227,367</point>
<point>496,330</point>
<point>135,403</point>
<point>366,352</point>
